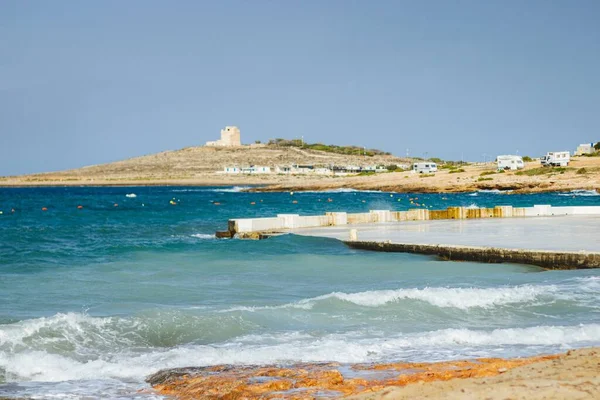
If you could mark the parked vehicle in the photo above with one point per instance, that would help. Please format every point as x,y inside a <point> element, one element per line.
<point>425,167</point>
<point>510,162</point>
<point>556,159</point>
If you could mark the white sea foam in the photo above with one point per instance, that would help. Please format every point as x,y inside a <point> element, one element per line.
<point>131,195</point>
<point>473,206</point>
<point>234,189</point>
<point>356,346</point>
<point>494,191</point>
<point>460,298</point>
<point>204,236</point>
<point>584,193</point>
<point>341,190</point>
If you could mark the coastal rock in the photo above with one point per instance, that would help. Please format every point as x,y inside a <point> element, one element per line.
<point>308,381</point>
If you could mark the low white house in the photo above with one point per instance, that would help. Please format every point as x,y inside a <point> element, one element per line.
<point>323,171</point>
<point>556,159</point>
<point>303,169</point>
<point>232,170</point>
<point>510,162</point>
<point>585,148</point>
<point>256,169</point>
<point>283,169</point>
<point>427,167</point>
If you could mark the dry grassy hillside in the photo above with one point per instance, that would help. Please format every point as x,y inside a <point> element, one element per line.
<point>198,163</point>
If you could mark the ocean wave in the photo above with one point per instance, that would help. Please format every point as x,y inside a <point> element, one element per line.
<point>288,347</point>
<point>460,298</point>
<point>131,195</point>
<point>494,191</point>
<point>473,206</point>
<point>205,236</point>
<point>340,190</point>
<point>235,189</point>
<point>581,192</point>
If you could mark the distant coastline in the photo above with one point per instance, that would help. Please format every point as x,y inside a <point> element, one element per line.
<point>203,166</point>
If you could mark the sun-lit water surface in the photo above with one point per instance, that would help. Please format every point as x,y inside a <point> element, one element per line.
<point>93,300</point>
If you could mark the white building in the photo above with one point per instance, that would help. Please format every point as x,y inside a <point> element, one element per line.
<point>232,170</point>
<point>256,169</point>
<point>510,162</point>
<point>283,169</point>
<point>323,171</point>
<point>585,148</point>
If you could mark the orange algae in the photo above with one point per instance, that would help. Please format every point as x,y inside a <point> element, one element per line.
<point>308,381</point>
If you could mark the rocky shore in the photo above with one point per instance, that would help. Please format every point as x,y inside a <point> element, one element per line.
<point>572,375</point>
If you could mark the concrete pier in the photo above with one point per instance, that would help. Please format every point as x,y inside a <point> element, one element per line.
<point>550,237</point>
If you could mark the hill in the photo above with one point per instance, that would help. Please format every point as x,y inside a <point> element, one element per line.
<point>198,165</point>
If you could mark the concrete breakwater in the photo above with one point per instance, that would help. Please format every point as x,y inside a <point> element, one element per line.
<point>542,258</point>
<point>255,228</point>
<point>542,235</point>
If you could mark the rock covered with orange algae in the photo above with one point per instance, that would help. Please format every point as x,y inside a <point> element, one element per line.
<point>308,381</point>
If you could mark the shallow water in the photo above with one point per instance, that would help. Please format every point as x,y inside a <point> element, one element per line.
<point>93,300</point>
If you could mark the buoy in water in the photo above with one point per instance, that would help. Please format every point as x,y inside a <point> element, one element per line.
<point>295,202</point>
<point>173,203</point>
<point>44,209</point>
<point>329,200</point>
<point>216,203</point>
<point>252,203</point>
<point>115,205</point>
<point>79,207</point>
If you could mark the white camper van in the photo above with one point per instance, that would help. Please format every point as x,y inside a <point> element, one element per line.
<point>509,162</point>
<point>556,159</point>
<point>424,167</point>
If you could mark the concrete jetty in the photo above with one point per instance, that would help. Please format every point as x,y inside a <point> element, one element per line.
<point>550,237</point>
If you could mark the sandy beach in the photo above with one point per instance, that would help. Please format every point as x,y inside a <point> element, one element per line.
<point>574,375</point>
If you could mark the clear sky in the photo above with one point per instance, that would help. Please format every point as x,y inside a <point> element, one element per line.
<point>86,82</point>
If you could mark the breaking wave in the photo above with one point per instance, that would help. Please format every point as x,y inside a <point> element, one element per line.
<point>584,193</point>
<point>494,191</point>
<point>459,298</point>
<point>234,189</point>
<point>205,236</point>
<point>78,347</point>
<point>340,190</point>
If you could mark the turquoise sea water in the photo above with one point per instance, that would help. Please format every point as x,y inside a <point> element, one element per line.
<point>93,300</point>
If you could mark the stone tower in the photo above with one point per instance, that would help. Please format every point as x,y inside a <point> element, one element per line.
<point>230,137</point>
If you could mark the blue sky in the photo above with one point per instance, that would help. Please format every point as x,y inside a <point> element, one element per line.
<point>84,83</point>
